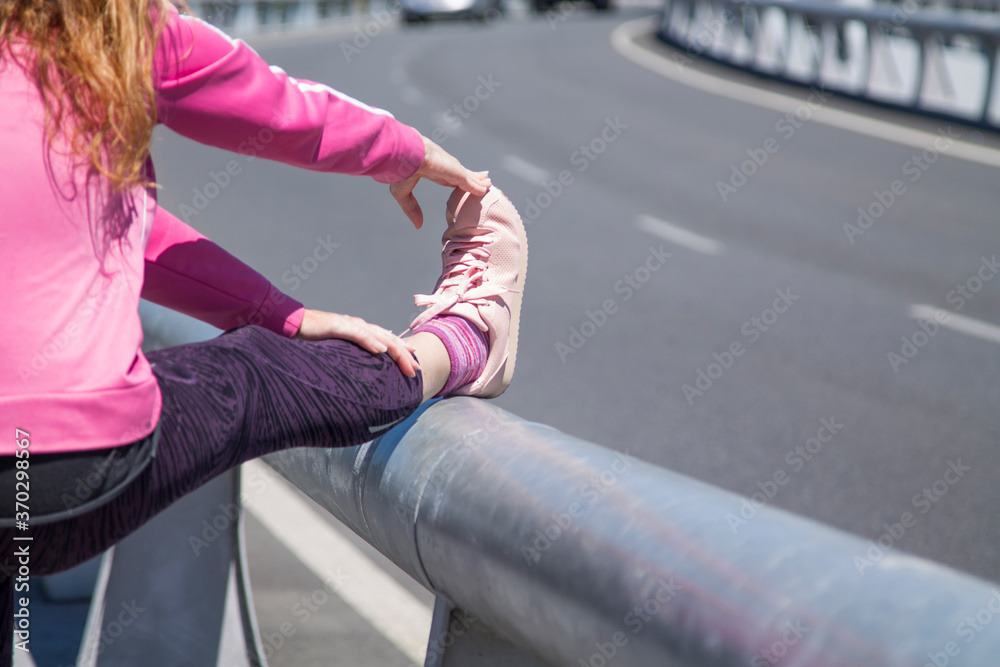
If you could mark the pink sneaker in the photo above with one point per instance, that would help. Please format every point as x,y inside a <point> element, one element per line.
<point>484,259</point>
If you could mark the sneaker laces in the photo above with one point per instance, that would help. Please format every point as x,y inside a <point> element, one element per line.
<point>461,282</point>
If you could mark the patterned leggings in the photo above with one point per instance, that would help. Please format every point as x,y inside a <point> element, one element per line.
<point>247,393</point>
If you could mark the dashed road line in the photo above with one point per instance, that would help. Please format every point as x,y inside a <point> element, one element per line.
<point>960,323</point>
<point>679,235</point>
<point>524,169</point>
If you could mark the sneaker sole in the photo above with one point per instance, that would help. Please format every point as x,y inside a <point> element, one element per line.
<point>515,316</point>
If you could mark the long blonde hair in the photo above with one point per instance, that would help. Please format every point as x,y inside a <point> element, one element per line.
<point>93,63</point>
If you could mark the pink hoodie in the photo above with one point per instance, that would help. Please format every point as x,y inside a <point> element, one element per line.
<point>71,370</point>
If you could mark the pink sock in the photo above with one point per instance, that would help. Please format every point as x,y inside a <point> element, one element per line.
<point>466,345</point>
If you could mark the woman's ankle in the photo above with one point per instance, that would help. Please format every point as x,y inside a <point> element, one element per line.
<point>466,348</point>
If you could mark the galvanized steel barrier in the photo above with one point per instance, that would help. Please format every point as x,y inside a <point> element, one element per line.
<point>583,555</point>
<point>243,17</point>
<point>839,45</point>
<point>544,549</point>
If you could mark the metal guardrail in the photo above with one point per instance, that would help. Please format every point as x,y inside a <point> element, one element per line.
<point>977,5</point>
<point>585,556</point>
<point>544,549</point>
<point>249,16</point>
<point>540,544</point>
<point>757,35</point>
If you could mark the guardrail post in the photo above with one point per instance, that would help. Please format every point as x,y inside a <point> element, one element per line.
<point>246,20</point>
<point>921,68</point>
<point>990,51</point>
<point>175,592</point>
<point>934,31</point>
<point>866,71</point>
<point>307,14</point>
<point>458,639</point>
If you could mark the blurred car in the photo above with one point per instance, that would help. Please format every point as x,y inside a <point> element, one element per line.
<point>415,11</point>
<point>542,6</point>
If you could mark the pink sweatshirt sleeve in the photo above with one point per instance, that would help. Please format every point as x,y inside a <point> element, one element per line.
<point>189,273</point>
<point>219,92</point>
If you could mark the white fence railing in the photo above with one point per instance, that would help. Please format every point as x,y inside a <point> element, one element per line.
<point>935,61</point>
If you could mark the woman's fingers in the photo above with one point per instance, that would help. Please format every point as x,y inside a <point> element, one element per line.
<point>444,169</point>
<point>403,357</point>
<point>479,182</point>
<point>377,340</point>
<point>402,192</point>
<point>319,325</point>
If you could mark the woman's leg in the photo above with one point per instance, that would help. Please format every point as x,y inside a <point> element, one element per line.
<point>247,393</point>
<point>434,362</point>
<point>6,618</point>
<point>244,394</point>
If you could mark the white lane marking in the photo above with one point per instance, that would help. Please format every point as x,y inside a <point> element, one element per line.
<point>524,169</point>
<point>621,40</point>
<point>678,235</point>
<point>374,595</point>
<point>959,323</point>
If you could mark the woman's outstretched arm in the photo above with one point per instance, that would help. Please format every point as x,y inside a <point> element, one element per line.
<point>189,273</point>
<point>219,92</point>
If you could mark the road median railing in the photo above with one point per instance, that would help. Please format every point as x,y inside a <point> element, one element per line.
<point>935,61</point>
<point>543,549</point>
<point>248,17</point>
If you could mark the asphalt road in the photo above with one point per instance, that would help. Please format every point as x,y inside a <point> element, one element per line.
<point>779,320</point>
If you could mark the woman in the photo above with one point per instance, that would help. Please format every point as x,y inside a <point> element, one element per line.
<point>82,84</point>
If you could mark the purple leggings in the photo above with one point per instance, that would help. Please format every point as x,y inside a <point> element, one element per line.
<point>247,393</point>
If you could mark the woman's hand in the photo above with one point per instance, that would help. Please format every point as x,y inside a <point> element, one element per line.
<point>442,168</point>
<point>319,325</point>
